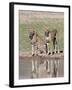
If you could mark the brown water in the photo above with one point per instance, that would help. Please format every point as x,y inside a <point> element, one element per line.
<point>56,68</point>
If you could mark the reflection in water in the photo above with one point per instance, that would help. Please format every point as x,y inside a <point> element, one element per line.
<point>38,67</point>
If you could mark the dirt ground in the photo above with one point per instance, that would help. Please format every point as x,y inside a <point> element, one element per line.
<point>31,15</point>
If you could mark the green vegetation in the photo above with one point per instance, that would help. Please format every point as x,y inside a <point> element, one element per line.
<point>38,25</point>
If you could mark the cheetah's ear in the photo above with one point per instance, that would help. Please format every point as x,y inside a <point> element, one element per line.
<point>55,30</point>
<point>46,28</point>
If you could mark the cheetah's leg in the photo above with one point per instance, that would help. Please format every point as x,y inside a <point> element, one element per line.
<point>33,49</point>
<point>48,47</point>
